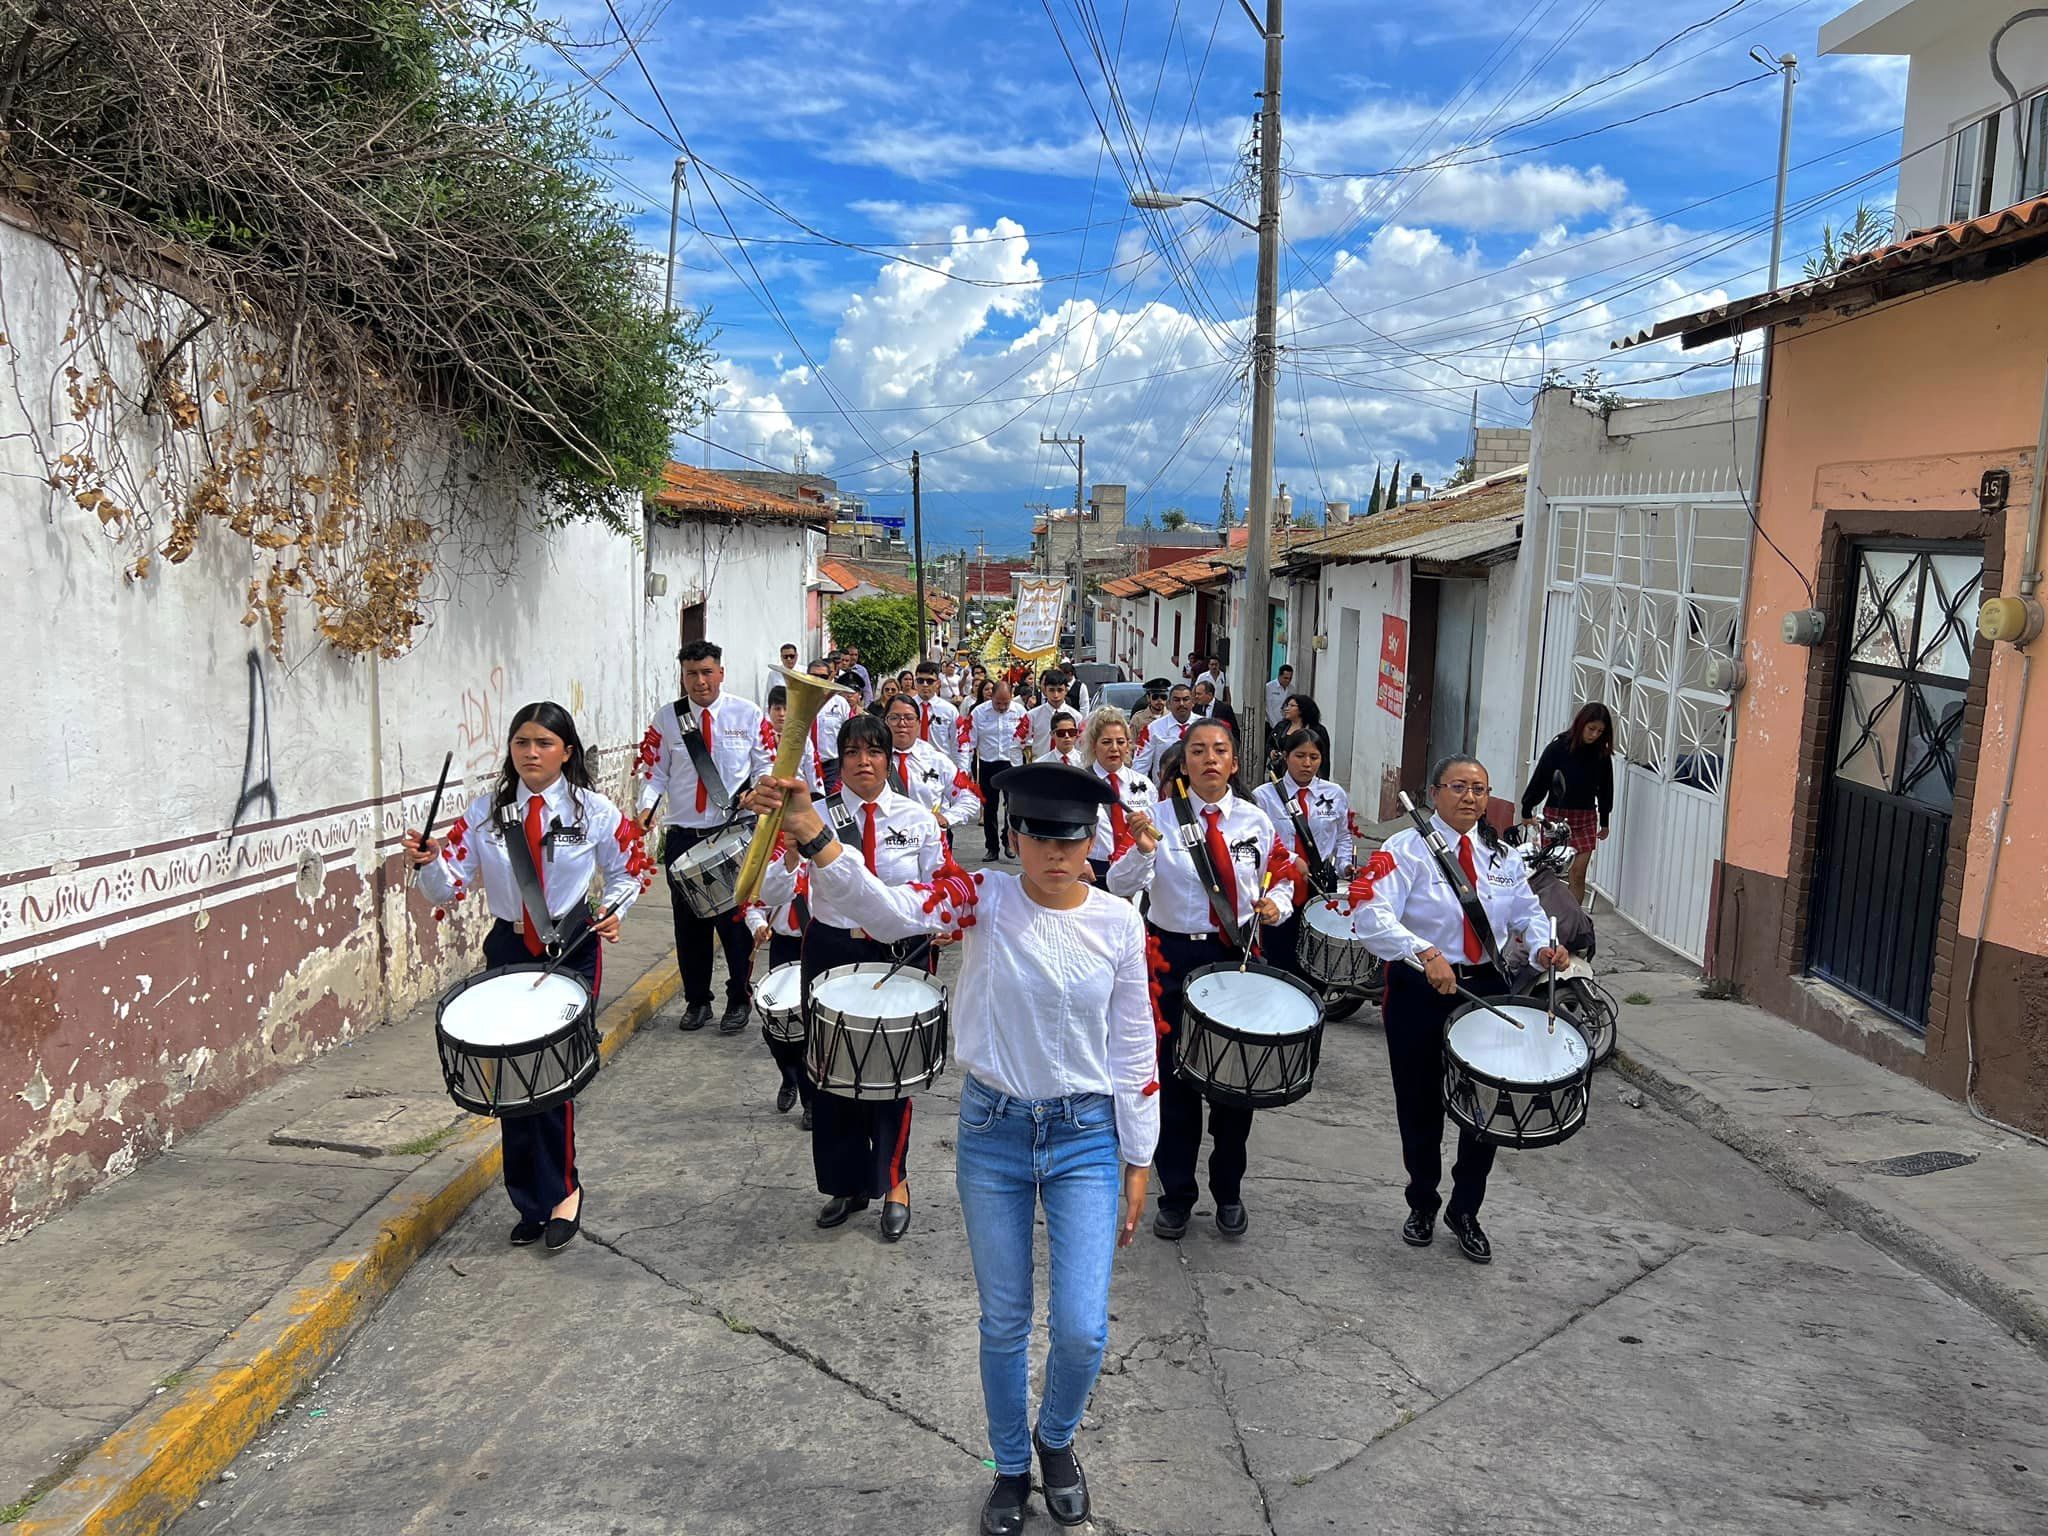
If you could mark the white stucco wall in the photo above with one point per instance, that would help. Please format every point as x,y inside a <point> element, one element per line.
<point>1365,740</point>
<point>752,578</point>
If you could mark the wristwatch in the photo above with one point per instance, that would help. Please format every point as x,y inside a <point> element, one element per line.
<point>812,847</point>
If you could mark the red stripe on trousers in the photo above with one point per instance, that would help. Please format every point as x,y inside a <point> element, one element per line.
<point>902,1146</point>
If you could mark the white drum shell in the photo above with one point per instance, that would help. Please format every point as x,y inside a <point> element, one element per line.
<point>865,1042</point>
<point>779,998</point>
<point>1329,952</point>
<point>509,1048</point>
<point>1263,1054</point>
<point>707,874</point>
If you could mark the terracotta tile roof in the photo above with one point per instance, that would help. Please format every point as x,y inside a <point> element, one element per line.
<point>1470,523</point>
<point>687,490</point>
<point>2010,237</point>
<point>851,577</point>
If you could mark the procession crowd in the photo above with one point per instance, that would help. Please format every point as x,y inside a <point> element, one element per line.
<point>1129,985</point>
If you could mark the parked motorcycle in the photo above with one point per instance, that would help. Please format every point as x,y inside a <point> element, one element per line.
<point>1580,997</point>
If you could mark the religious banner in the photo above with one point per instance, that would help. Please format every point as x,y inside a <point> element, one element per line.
<point>1035,636</point>
<point>1393,689</point>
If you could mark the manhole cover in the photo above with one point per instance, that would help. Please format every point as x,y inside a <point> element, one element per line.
<point>1913,1164</point>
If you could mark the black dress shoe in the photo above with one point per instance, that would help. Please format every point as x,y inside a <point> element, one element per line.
<point>1471,1241</point>
<point>1231,1220</point>
<point>1003,1513</point>
<point>895,1220</point>
<point>695,1017</point>
<point>1418,1229</point>
<point>526,1233</point>
<point>1171,1225</point>
<point>1065,1484</point>
<point>839,1208</point>
<point>804,1122</point>
<point>785,1098</point>
<point>562,1230</point>
<point>737,1011</point>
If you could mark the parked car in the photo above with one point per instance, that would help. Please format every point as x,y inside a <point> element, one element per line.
<point>1125,696</point>
<point>1093,674</point>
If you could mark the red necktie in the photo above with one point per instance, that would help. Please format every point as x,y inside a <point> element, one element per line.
<point>1219,856</point>
<point>704,730</point>
<point>1303,798</point>
<point>924,729</point>
<point>1472,950</point>
<point>527,930</point>
<point>1119,826</point>
<point>903,769</point>
<point>867,836</point>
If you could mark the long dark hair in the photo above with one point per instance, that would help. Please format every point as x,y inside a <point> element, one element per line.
<point>1311,712</point>
<point>549,716</point>
<point>1177,754</point>
<point>1575,733</point>
<point>1485,828</point>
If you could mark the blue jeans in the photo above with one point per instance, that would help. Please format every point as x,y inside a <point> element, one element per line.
<point>1012,1154</point>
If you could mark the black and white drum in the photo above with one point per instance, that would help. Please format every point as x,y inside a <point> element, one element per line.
<point>779,999</point>
<point>869,1041</point>
<point>511,1048</point>
<point>1514,1076</point>
<point>707,876</point>
<point>1330,953</point>
<point>1248,1036</point>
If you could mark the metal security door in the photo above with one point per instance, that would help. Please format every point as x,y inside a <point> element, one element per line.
<point>1460,664</point>
<point>1892,772</point>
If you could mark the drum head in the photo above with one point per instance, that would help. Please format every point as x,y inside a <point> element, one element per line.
<point>1539,1052</point>
<point>505,1008</point>
<point>1252,1002</point>
<point>903,996</point>
<point>781,990</point>
<point>1329,919</point>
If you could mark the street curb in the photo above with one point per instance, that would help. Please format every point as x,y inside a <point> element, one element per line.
<point>1897,1230</point>
<point>155,1467</point>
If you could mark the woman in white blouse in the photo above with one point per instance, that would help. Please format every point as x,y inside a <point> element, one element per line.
<point>1053,1026</point>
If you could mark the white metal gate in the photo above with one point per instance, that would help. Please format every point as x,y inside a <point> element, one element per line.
<point>1649,581</point>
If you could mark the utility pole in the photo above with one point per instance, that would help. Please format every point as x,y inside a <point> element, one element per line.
<point>1788,68</point>
<point>675,218</point>
<point>1252,661</point>
<point>917,548</point>
<point>1079,445</point>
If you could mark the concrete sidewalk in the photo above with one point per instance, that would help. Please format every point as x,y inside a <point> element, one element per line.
<point>144,1331</point>
<point>1915,1173</point>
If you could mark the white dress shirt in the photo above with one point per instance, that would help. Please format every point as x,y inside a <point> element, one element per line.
<point>950,681</point>
<point>737,751</point>
<point>590,836</point>
<point>998,736</point>
<point>774,905</point>
<point>907,847</point>
<point>832,714</point>
<point>1276,699</point>
<point>1180,902</point>
<point>934,782</point>
<point>1215,680</point>
<point>940,725</point>
<point>1156,739</point>
<point>1328,816</point>
<point>1414,908</point>
<point>1136,793</point>
<point>1047,1003</point>
<point>1040,716</point>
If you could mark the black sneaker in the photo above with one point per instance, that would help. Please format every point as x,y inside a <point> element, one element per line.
<point>1471,1241</point>
<point>1065,1484</point>
<point>785,1098</point>
<point>1003,1513</point>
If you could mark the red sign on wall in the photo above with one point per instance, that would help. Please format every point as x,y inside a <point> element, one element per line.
<point>1393,690</point>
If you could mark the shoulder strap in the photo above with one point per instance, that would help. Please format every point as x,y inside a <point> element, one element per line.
<point>844,824</point>
<point>1468,899</point>
<point>527,878</point>
<point>1304,838</point>
<point>1205,869</point>
<point>701,759</point>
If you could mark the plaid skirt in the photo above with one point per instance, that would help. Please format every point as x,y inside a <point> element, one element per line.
<point>1585,827</point>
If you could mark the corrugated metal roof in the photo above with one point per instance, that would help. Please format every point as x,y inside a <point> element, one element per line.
<point>1470,523</point>
<point>1921,260</point>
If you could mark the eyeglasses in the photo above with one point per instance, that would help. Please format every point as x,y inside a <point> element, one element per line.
<point>1461,787</point>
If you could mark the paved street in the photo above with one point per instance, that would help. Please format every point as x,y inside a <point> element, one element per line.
<point>1667,1340</point>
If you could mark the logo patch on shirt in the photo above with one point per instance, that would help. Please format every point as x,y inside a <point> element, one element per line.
<point>896,837</point>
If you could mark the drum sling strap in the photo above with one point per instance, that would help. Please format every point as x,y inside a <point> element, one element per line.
<point>701,760</point>
<point>1468,899</point>
<point>1320,875</point>
<point>1205,868</point>
<point>552,931</point>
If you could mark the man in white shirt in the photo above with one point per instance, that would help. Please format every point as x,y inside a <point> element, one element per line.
<point>1054,682</point>
<point>1276,695</point>
<point>938,721</point>
<point>1209,668</point>
<point>998,731</point>
<point>1157,736</point>
<point>701,752</point>
<point>850,659</point>
<point>825,724</point>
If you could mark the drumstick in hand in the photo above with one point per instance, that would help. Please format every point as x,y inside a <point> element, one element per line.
<point>434,805</point>
<point>580,940</point>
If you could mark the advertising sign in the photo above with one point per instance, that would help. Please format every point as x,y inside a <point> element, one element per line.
<point>1393,689</point>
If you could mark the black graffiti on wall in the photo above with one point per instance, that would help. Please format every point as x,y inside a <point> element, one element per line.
<point>257,788</point>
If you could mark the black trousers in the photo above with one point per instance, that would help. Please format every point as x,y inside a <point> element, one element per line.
<point>694,934</point>
<point>1181,1105</point>
<point>1276,944</point>
<point>540,1150</point>
<point>992,824</point>
<point>859,1147</point>
<point>1414,1016</point>
<point>785,949</point>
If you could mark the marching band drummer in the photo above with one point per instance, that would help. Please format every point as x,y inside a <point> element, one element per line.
<point>566,831</point>
<point>1052,1024</point>
<point>1106,748</point>
<point>1301,802</point>
<point>777,917</point>
<point>918,768</point>
<point>1405,909</point>
<point>1228,840</point>
<point>860,1147</point>
<point>701,752</point>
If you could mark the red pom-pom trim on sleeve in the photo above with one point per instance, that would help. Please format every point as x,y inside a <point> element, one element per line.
<point>650,754</point>
<point>632,841</point>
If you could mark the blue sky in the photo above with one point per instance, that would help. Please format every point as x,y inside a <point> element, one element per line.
<point>1006,289</point>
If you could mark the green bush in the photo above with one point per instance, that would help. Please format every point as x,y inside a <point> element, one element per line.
<point>885,629</point>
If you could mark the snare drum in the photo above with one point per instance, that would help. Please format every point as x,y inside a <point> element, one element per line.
<point>510,1048</point>
<point>1516,1087</point>
<point>1248,1037</point>
<point>707,874</point>
<point>870,1042</point>
<point>779,997</point>
<point>1330,953</point>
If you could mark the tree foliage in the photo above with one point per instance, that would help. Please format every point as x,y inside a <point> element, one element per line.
<point>1866,230</point>
<point>885,629</point>
<point>389,186</point>
<point>1173,519</point>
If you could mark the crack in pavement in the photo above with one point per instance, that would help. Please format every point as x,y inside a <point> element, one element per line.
<point>1244,1457</point>
<point>786,1346</point>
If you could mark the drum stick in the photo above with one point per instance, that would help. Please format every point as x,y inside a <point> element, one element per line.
<point>434,805</point>
<point>1550,1007</point>
<point>886,975</point>
<point>1470,997</point>
<point>577,943</point>
<point>1253,937</point>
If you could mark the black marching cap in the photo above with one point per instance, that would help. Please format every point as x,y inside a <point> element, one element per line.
<point>1053,801</point>
<point>1158,685</point>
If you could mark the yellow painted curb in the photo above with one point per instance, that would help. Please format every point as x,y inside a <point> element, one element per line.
<point>152,1469</point>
